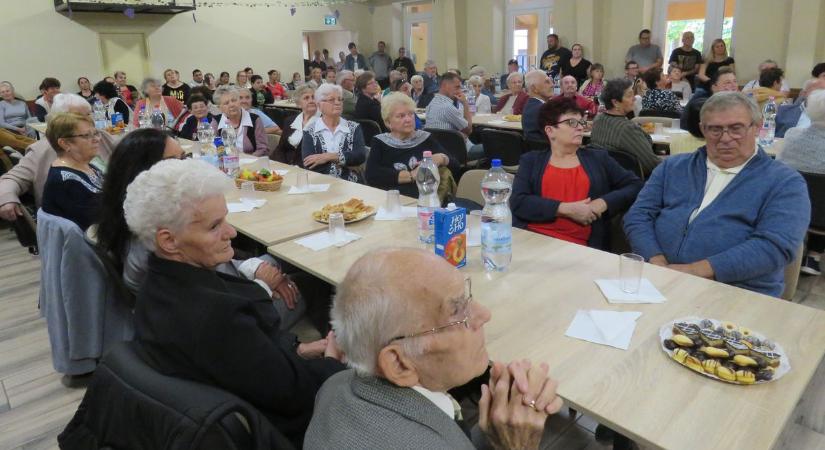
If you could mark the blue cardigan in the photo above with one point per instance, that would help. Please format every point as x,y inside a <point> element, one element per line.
<point>749,233</point>
<point>608,180</point>
<point>530,120</point>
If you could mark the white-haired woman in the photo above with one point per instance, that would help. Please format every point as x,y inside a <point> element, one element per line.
<point>333,145</point>
<point>249,131</point>
<point>418,94</point>
<point>804,150</point>
<point>13,116</point>
<point>192,321</point>
<point>482,101</point>
<point>153,99</point>
<point>514,101</point>
<point>289,146</point>
<point>394,156</point>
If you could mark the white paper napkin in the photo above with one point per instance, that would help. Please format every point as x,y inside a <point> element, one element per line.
<point>245,205</point>
<point>498,122</point>
<point>612,291</point>
<point>309,189</point>
<point>660,137</point>
<point>407,212</point>
<point>281,172</point>
<point>613,328</point>
<point>322,240</point>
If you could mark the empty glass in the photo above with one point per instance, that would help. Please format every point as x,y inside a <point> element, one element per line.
<point>248,192</point>
<point>657,128</point>
<point>336,228</point>
<point>474,228</point>
<point>302,180</point>
<point>675,124</point>
<point>262,163</point>
<point>630,272</point>
<point>393,202</point>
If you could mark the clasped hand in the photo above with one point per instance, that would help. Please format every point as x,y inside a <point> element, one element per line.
<point>584,211</point>
<point>278,282</point>
<point>317,159</point>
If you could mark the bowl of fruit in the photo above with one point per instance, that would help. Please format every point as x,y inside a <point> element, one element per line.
<point>264,179</point>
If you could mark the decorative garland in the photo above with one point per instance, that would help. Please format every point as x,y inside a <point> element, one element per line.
<point>221,4</point>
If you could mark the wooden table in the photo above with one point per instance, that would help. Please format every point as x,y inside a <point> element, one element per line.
<point>40,127</point>
<point>286,103</point>
<point>639,392</point>
<point>285,217</point>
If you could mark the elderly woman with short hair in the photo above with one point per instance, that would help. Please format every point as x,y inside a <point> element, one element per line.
<point>13,116</point>
<point>514,101</point>
<point>107,94</point>
<point>570,192</point>
<point>153,99</point>
<point>73,186</point>
<point>482,101</point>
<point>333,145</point>
<point>658,100</point>
<point>198,108</point>
<point>612,130</point>
<point>417,93</point>
<point>194,322</point>
<point>368,105</point>
<point>288,150</point>
<point>248,128</point>
<point>394,156</point>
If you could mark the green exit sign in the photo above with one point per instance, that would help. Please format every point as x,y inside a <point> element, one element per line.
<point>330,20</point>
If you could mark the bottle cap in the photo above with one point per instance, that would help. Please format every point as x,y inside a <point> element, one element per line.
<point>451,206</point>
<point>205,120</point>
<point>496,163</point>
<point>428,154</point>
<point>218,142</point>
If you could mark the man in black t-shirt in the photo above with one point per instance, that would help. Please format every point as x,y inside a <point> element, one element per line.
<point>686,57</point>
<point>554,57</point>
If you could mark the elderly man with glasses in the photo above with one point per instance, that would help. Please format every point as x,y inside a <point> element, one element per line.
<point>726,211</point>
<point>411,331</point>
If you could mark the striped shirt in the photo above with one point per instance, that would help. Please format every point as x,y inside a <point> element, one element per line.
<point>443,114</point>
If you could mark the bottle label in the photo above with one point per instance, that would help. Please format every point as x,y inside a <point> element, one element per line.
<point>496,237</point>
<point>425,225</point>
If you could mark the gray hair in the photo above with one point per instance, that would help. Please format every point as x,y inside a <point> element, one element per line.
<point>513,76</point>
<point>63,102</point>
<point>815,106</point>
<point>326,89</point>
<point>393,101</point>
<point>477,70</point>
<point>476,80</point>
<point>7,83</point>
<point>231,91</point>
<point>533,78</point>
<point>367,314</point>
<point>165,196</point>
<point>145,84</point>
<point>429,63</point>
<point>415,78</point>
<point>614,90</point>
<point>343,74</point>
<point>724,101</point>
<point>301,90</point>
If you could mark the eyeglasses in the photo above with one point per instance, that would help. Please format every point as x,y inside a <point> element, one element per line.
<point>572,122</point>
<point>90,135</point>
<point>463,309</point>
<point>332,100</point>
<point>736,131</point>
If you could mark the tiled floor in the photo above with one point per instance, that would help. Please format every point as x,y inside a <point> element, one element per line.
<point>34,406</point>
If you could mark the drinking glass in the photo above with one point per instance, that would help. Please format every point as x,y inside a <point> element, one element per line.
<point>248,191</point>
<point>302,180</point>
<point>336,227</point>
<point>474,227</point>
<point>675,124</point>
<point>630,272</point>
<point>262,163</point>
<point>393,202</point>
<point>657,128</point>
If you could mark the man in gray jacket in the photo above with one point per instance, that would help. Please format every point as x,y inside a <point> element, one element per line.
<point>381,64</point>
<point>407,322</point>
<point>31,172</point>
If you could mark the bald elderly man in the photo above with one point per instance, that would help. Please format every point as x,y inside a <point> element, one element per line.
<point>411,331</point>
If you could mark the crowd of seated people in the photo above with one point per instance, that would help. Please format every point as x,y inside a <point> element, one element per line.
<point>724,211</point>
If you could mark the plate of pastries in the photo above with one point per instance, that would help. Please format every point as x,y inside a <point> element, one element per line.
<point>512,118</point>
<point>354,210</point>
<point>724,350</point>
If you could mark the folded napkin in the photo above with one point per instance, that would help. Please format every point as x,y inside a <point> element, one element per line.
<point>309,189</point>
<point>407,212</point>
<point>498,122</point>
<point>281,172</point>
<point>612,291</point>
<point>245,205</point>
<point>613,328</point>
<point>322,240</point>
<point>660,137</point>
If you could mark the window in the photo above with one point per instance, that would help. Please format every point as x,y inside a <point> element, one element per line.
<point>528,23</point>
<point>707,19</point>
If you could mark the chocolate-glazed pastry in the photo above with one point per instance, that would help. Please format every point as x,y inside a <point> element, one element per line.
<point>711,338</point>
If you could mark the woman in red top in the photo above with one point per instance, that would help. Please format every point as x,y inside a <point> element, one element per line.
<point>570,191</point>
<point>274,86</point>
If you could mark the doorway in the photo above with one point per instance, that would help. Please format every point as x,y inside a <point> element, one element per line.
<point>418,19</point>
<point>334,41</point>
<point>127,52</point>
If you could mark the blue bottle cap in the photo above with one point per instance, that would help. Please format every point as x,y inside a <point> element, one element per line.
<point>218,142</point>
<point>205,120</point>
<point>496,163</point>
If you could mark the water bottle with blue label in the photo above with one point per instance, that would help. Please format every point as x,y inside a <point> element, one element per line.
<point>496,220</point>
<point>427,180</point>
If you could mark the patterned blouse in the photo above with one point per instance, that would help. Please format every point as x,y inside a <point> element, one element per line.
<point>593,89</point>
<point>662,101</point>
<point>346,140</point>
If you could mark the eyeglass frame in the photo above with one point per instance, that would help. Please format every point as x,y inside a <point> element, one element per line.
<point>468,299</point>
<point>728,129</point>
<point>92,135</point>
<point>581,122</point>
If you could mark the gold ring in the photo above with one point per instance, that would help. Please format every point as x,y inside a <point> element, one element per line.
<point>533,404</point>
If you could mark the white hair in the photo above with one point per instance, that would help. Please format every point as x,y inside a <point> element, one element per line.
<point>231,91</point>
<point>477,70</point>
<point>392,101</point>
<point>476,80</point>
<point>533,78</point>
<point>725,101</point>
<point>63,102</point>
<point>145,85</point>
<point>165,196</point>
<point>415,78</point>
<point>815,106</point>
<point>368,313</point>
<point>343,74</point>
<point>327,89</point>
<point>429,63</point>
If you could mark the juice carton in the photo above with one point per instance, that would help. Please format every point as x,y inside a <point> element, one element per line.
<point>450,234</point>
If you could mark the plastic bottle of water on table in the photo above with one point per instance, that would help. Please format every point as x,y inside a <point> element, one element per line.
<point>768,130</point>
<point>471,99</point>
<point>157,119</point>
<point>144,118</point>
<point>496,220</point>
<point>99,114</point>
<point>427,180</point>
<point>205,134</point>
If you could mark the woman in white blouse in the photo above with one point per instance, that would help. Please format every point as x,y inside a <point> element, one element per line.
<point>482,101</point>
<point>289,147</point>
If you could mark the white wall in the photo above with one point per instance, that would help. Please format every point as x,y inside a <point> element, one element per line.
<point>334,41</point>
<point>40,42</point>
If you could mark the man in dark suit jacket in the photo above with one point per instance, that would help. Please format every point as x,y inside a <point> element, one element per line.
<point>540,89</point>
<point>399,315</point>
<point>195,323</point>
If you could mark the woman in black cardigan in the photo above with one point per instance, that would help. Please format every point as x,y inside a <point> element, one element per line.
<point>368,104</point>
<point>569,192</point>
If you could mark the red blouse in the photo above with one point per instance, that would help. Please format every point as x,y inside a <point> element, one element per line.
<point>564,185</point>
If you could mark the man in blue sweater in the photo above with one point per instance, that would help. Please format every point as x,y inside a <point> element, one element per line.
<point>726,211</point>
<point>540,88</point>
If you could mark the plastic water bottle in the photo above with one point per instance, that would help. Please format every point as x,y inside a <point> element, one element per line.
<point>496,220</point>
<point>205,133</point>
<point>99,114</point>
<point>157,119</point>
<point>230,160</point>
<point>766,133</point>
<point>210,153</point>
<point>427,180</point>
<point>471,100</point>
<point>556,85</point>
<point>144,118</point>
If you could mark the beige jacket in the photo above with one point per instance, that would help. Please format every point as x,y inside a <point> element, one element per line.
<point>31,172</point>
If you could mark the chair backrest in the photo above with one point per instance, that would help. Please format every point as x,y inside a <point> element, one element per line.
<point>816,192</point>
<point>533,145</point>
<point>628,161</point>
<point>369,128</point>
<point>453,142</point>
<point>469,186</point>
<point>272,142</point>
<point>792,274</point>
<point>658,115</point>
<point>685,143</point>
<point>655,119</point>
<point>131,405</point>
<point>26,231</point>
<point>504,145</point>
